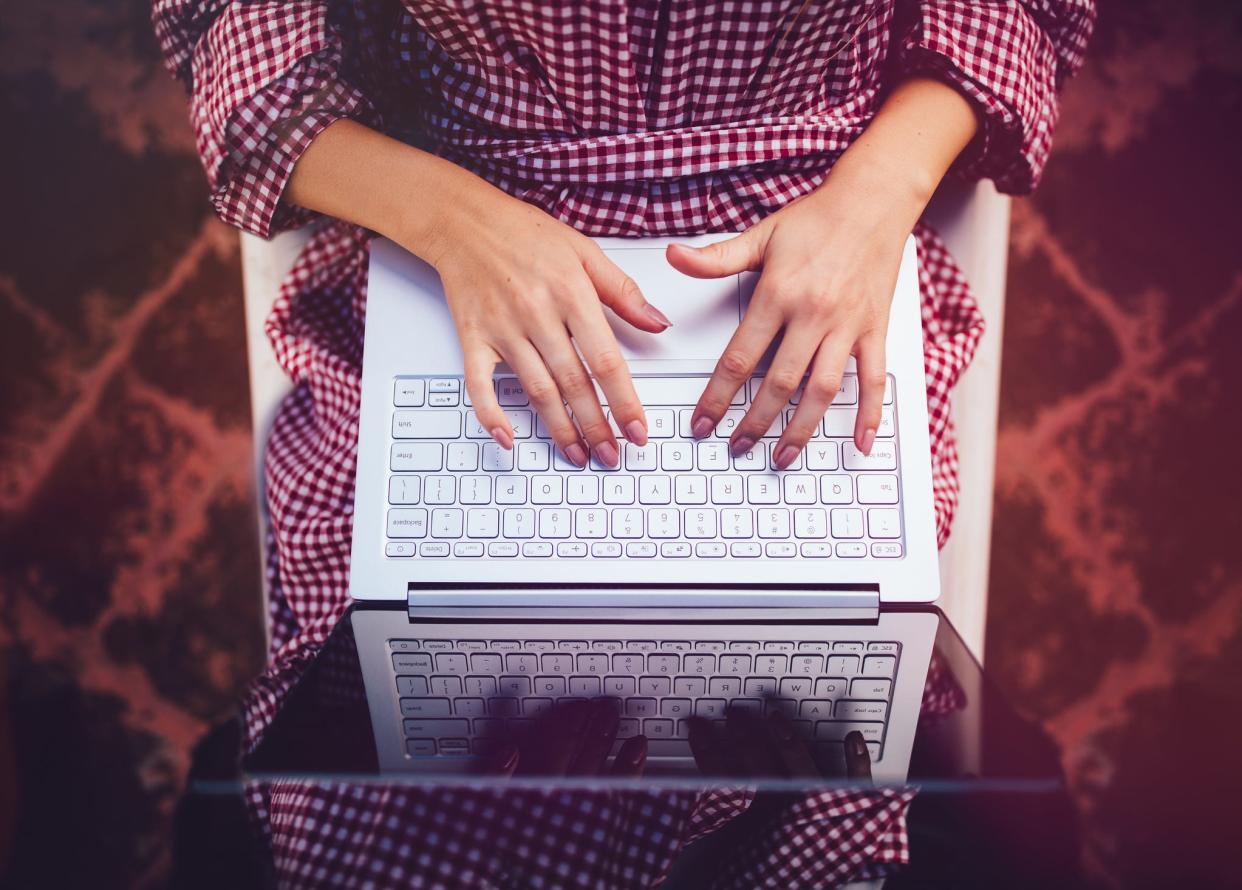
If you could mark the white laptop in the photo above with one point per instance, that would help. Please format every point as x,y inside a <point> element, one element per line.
<point>685,581</point>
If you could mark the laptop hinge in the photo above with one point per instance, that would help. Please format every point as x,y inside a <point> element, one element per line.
<point>647,604</point>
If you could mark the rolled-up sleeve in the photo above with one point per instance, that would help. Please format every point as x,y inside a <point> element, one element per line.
<point>1010,59</point>
<point>264,79</point>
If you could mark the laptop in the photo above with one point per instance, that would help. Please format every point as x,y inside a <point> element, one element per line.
<point>493,585</point>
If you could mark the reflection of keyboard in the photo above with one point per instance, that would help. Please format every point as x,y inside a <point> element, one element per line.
<point>456,697</point>
<point>453,492</point>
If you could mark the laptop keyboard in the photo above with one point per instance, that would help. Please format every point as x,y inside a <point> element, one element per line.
<point>458,696</point>
<point>454,493</point>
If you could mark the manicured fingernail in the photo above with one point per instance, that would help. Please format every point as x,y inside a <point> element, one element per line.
<point>577,455</point>
<point>638,753</point>
<point>636,432</point>
<point>868,440</point>
<point>510,759</point>
<point>503,439</point>
<point>657,316</point>
<point>785,456</point>
<point>858,744</point>
<point>606,452</point>
<point>742,445</point>
<point>702,427</point>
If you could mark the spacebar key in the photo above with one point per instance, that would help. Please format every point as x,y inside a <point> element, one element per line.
<point>426,424</point>
<point>683,391</point>
<point>662,748</point>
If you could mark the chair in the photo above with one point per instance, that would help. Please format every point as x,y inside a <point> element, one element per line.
<point>974,221</point>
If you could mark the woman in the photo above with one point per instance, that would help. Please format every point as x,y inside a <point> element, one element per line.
<point>490,138</point>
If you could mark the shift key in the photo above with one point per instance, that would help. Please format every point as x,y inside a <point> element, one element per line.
<point>426,424</point>
<point>420,728</point>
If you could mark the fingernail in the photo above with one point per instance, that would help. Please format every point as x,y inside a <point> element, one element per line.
<point>607,454</point>
<point>742,445</point>
<point>785,456</point>
<point>702,427</point>
<point>511,759</point>
<point>868,440</point>
<point>657,316</point>
<point>638,753</point>
<point>577,455</point>
<point>502,438</point>
<point>636,432</point>
<point>858,745</point>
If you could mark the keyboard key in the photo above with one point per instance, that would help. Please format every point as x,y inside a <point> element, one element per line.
<point>658,729</point>
<point>511,393</point>
<point>640,550</point>
<point>847,709</point>
<point>836,489</point>
<point>582,489</point>
<point>655,686</point>
<point>447,523</point>
<point>533,456</point>
<point>886,550</point>
<point>496,459</point>
<point>763,488</point>
<point>462,456</point>
<point>571,549</point>
<point>426,424</point>
<point>879,665</point>
<point>592,663</point>
<point>795,687</point>
<point>815,709</point>
<point>468,549</point>
<point>431,729</point>
<point>400,548</point>
<point>548,489</point>
<point>759,686</point>
<point>655,490</point>
<point>661,424</point>
<point>745,549</point>
<point>883,522</point>
<point>709,550</point>
<point>675,550</point>
<point>620,686</point>
<point>663,524</point>
<point>806,664</point>
<point>831,687</point>
<point>606,549</point>
<point>866,687</point>
<point>411,686</point>
<point>585,686</point>
<point>404,489</point>
<point>875,488</point>
<point>408,393</point>
<point>521,423</point>
<point>416,457</point>
<point>800,489</point>
<point>781,549</point>
<point>536,549</point>
<point>475,490</point>
<point>660,663</point>
<point>727,489</point>
<point>425,707</point>
<point>407,523</point>
<point>837,730</point>
<point>433,549</point>
<point>690,489</point>
<point>439,490</point>
<point>847,523</point>
<point>713,456</point>
<point>420,747</point>
<point>754,459</point>
<point>618,490</point>
<point>676,456</point>
<point>642,707</point>
<point>851,549</point>
<point>676,708</point>
<point>821,455</point>
<point>483,523</point>
<point>640,458</point>
<point>773,523</point>
<point>883,457</point>
<point>883,648</point>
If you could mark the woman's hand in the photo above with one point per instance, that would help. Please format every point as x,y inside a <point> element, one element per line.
<point>829,267</point>
<point>830,263</point>
<point>522,286</point>
<point>526,288</point>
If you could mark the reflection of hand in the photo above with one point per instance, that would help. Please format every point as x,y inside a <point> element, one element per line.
<point>571,740</point>
<point>751,747</point>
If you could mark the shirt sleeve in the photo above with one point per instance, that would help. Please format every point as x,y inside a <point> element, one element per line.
<point>264,77</point>
<point>1010,59</point>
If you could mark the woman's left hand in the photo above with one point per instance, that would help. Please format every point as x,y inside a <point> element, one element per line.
<point>829,266</point>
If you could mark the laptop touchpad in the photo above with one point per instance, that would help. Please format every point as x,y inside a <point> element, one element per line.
<point>704,312</point>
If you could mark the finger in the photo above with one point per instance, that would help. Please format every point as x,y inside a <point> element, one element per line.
<point>857,758</point>
<point>752,745</point>
<point>480,365</point>
<point>631,759</point>
<point>620,293</point>
<point>871,381</point>
<point>501,762</point>
<point>779,384</point>
<point>554,740</point>
<point>599,731</point>
<point>712,752</point>
<point>578,389</point>
<point>544,395</point>
<point>795,757</point>
<point>738,254</point>
<point>734,367</point>
<point>599,347</point>
<point>818,392</point>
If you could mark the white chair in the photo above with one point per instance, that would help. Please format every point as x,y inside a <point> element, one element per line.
<point>974,221</point>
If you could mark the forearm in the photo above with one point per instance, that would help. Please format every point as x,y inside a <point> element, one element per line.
<point>904,153</point>
<point>357,174</point>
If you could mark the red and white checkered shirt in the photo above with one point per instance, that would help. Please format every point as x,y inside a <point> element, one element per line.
<point>620,117</point>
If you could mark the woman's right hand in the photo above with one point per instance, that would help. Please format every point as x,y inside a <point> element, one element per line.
<point>525,288</point>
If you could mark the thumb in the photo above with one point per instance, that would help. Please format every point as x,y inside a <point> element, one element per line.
<point>740,253</point>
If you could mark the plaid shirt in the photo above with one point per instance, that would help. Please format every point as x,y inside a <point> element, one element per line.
<point>620,117</point>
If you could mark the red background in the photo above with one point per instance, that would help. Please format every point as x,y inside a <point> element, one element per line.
<point>129,578</point>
